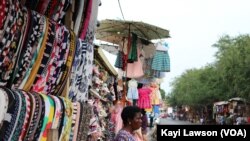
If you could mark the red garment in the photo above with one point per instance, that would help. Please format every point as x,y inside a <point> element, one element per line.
<point>144,98</point>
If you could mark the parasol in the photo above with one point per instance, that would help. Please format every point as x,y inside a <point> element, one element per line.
<point>114,31</point>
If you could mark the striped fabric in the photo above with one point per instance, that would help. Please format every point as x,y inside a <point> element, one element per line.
<point>161,61</point>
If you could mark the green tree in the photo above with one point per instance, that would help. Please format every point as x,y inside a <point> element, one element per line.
<point>233,62</point>
<point>163,94</point>
<point>227,77</point>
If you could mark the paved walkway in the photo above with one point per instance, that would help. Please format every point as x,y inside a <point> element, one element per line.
<point>150,134</point>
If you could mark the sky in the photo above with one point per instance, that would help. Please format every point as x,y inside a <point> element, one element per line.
<point>194,25</point>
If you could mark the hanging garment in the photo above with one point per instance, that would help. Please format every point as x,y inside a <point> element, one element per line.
<point>4,100</point>
<point>27,115</point>
<point>86,114</point>
<point>147,67</point>
<point>119,61</point>
<point>132,89</point>
<point>134,70</point>
<point>80,11</point>
<point>132,56</point>
<point>155,100</point>
<point>86,20</point>
<point>161,61</point>
<point>86,79</point>
<point>144,98</point>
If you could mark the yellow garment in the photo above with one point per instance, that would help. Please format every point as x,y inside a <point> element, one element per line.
<point>154,96</point>
<point>149,110</point>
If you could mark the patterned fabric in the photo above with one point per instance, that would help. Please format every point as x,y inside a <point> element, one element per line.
<point>66,70</point>
<point>34,117</point>
<point>77,121</point>
<point>124,135</point>
<point>28,51</point>
<point>4,100</point>
<point>74,117</point>
<point>87,75</point>
<point>78,71</point>
<point>31,74</point>
<point>67,120</point>
<point>53,9</point>
<point>3,11</point>
<point>49,114</point>
<point>119,61</point>
<point>41,119</point>
<point>20,119</point>
<point>27,114</point>
<point>86,113</point>
<point>46,58</point>
<point>11,36</point>
<point>161,61</point>
<point>13,109</point>
<point>58,113</point>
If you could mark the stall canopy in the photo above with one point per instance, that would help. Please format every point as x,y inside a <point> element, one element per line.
<point>114,31</point>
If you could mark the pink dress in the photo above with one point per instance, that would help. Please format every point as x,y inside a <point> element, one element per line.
<point>144,98</point>
<point>134,70</point>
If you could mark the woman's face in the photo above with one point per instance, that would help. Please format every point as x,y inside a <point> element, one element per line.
<point>136,122</point>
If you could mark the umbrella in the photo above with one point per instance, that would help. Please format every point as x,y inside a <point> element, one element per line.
<point>114,31</point>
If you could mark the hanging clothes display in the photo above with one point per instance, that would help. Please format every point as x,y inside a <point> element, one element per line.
<point>53,9</point>
<point>30,116</point>
<point>37,52</point>
<point>161,60</point>
<point>42,60</point>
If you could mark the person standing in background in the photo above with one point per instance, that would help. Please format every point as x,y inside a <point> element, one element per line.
<point>151,116</point>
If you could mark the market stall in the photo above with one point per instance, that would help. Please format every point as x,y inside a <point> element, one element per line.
<point>46,67</point>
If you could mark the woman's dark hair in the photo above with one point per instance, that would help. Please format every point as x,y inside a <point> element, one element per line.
<point>129,112</point>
